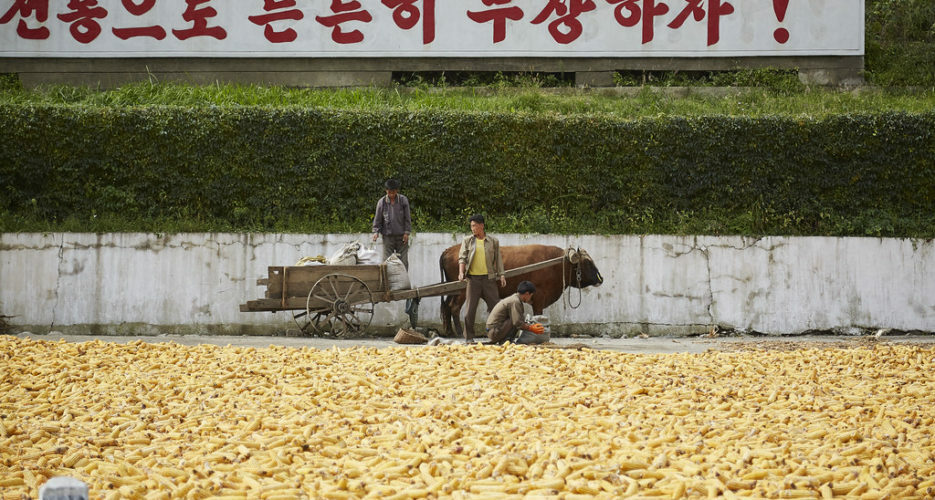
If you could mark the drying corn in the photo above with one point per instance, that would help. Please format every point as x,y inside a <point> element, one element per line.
<point>155,421</point>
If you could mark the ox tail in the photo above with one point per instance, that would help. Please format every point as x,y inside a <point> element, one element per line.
<point>446,299</point>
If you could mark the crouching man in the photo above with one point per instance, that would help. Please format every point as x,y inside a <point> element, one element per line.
<point>507,317</point>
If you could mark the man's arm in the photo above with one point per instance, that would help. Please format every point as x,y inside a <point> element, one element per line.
<point>378,218</point>
<point>516,316</point>
<point>407,218</point>
<point>462,259</point>
<point>499,265</point>
<point>407,221</point>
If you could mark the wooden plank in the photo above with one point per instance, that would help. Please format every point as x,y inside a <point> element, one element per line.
<point>274,282</point>
<point>284,294</point>
<point>300,303</point>
<point>509,273</point>
<point>303,278</point>
<point>258,305</point>
<point>450,287</point>
<point>299,280</point>
<point>446,288</point>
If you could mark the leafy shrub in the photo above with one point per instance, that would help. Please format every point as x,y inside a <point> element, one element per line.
<point>900,42</point>
<point>263,169</point>
<point>10,82</point>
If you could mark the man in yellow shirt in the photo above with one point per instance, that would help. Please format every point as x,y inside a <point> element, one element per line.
<point>480,263</point>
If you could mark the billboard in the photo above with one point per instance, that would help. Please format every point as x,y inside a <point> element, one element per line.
<point>430,28</point>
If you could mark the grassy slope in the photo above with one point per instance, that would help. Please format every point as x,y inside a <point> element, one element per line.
<point>646,103</point>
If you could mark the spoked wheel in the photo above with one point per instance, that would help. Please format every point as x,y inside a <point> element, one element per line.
<point>309,324</point>
<point>339,305</point>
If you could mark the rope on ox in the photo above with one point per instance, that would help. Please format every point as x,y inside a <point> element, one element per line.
<point>566,298</point>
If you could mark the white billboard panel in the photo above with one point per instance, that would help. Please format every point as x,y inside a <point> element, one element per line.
<point>430,28</point>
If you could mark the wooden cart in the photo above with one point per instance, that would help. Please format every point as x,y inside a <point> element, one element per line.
<point>340,300</point>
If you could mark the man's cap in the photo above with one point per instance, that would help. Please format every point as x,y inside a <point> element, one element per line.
<point>391,184</point>
<point>526,287</point>
<point>478,218</point>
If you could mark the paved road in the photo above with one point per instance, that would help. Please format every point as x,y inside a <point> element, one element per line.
<point>629,345</point>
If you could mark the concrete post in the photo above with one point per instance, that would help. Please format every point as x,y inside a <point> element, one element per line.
<point>594,78</point>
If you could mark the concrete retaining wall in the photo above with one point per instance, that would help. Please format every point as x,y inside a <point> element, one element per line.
<point>660,285</point>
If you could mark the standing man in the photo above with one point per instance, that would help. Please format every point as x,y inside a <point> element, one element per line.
<point>394,222</point>
<point>480,263</point>
<point>508,318</point>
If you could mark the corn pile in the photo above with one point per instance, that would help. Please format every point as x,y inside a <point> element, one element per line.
<point>169,421</point>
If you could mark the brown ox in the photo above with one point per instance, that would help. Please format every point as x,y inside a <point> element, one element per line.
<point>549,282</point>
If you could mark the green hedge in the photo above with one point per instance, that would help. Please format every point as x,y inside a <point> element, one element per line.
<point>252,168</point>
<point>900,42</point>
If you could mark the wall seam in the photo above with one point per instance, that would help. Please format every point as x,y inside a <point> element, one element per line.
<point>58,279</point>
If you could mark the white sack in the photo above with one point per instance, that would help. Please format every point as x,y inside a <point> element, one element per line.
<point>368,256</point>
<point>397,274</point>
<point>531,338</point>
<point>347,256</point>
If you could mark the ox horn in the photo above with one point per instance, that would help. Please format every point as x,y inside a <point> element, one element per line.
<point>573,256</point>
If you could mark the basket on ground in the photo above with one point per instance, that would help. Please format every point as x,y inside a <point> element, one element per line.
<point>408,336</point>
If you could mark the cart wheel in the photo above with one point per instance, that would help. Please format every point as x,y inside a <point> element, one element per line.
<point>309,324</point>
<point>339,304</point>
